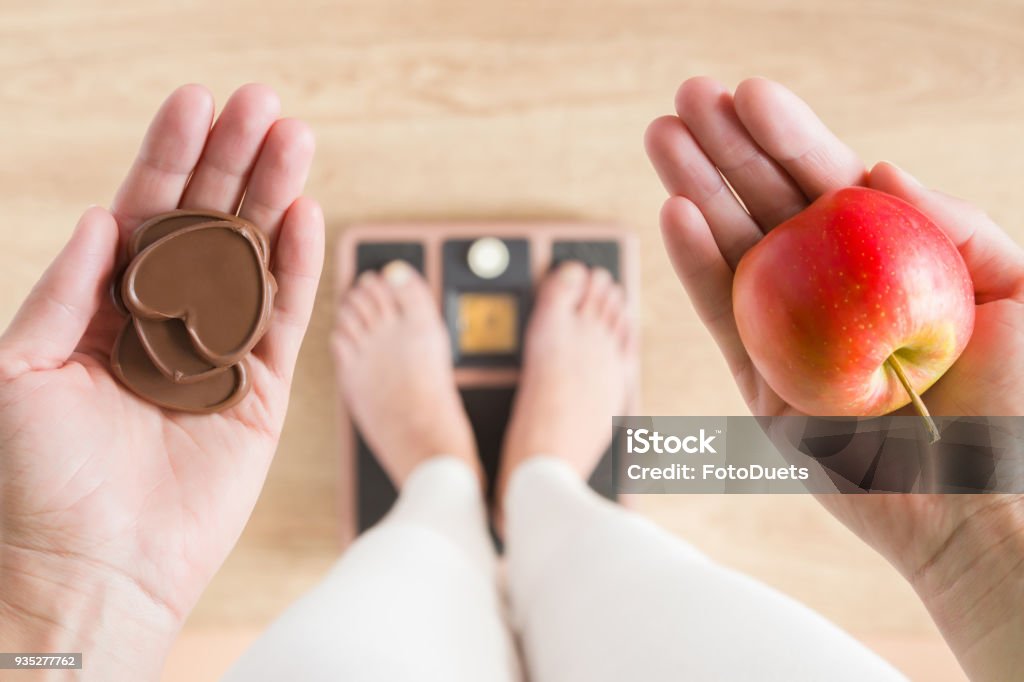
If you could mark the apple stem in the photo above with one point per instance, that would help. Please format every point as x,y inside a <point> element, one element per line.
<point>933,431</point>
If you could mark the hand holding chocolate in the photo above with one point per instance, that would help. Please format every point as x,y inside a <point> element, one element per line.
<point>199,295</point>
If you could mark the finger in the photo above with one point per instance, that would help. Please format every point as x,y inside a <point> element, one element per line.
<point>279,174</point>
<point>686,171</point>
<point>170,150</point>
<point>995,261</point>
<point>231,150</point>
<point>298,260</point>
<point>788,130</point>
<point>767,191</point>
<point>51,321</point>
<point>704,273</point>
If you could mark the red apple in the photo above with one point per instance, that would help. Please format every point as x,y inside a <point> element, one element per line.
<point>839,301</point>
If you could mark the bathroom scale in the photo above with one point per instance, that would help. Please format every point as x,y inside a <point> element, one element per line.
<point>483,277</point>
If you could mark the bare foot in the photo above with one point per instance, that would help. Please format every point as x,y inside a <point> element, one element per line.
<point>575,372</point>
<point>395,371</point>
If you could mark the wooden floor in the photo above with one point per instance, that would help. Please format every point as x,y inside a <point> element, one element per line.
<point>470,110</point>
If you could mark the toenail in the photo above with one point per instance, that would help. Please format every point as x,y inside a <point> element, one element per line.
<point>602,274</point>
<point>572,272</point>
<point>397,273</point>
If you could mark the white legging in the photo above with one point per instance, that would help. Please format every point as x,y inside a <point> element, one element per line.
<point>595,593</point>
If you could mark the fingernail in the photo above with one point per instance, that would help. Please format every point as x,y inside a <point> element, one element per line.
<point>571,272</point>
<point>397,273</point>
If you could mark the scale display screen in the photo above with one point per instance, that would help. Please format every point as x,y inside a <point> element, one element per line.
<point>488,323</point>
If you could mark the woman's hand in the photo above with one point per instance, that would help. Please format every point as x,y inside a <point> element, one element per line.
<point>964,553</point>
<point>115,513</point>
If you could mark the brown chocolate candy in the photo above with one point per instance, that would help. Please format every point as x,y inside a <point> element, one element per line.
<point>212,277</point>
<point>164,224</point>
<point>169,347</point>
<point>154,229</point>
<point>200,294</point>
<point>133,367</point>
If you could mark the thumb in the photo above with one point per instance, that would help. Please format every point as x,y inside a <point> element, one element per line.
<point>51,321</point>
<point>995,261</point>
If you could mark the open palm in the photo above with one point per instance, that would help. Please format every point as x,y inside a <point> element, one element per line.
<point>98,486</point>
<point>778,156</point>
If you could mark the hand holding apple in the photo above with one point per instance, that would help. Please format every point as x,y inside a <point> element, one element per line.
<point>854,306</point>
<point>777,158</point>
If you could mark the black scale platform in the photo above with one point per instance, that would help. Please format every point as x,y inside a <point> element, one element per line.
<point>488,408</point>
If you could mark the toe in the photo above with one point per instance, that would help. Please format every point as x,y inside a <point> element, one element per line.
<point>562,289</point>
<point>380,294</point>
<point>631,329</point>
<point>595,299</point>
<point>344,346</point>
<point>625,330</point>
<point>348,325</point>
<point>408,289</point>
<point>359,302</point>
<point>614,306</point>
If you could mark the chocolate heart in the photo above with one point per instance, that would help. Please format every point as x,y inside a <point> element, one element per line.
<point>164,224</point>
<point>133,367</point>
<point>154,229</point>
<point>208,302</point>
<point>213,277</point>
<point>167,341</point>
<point>169,346</point>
